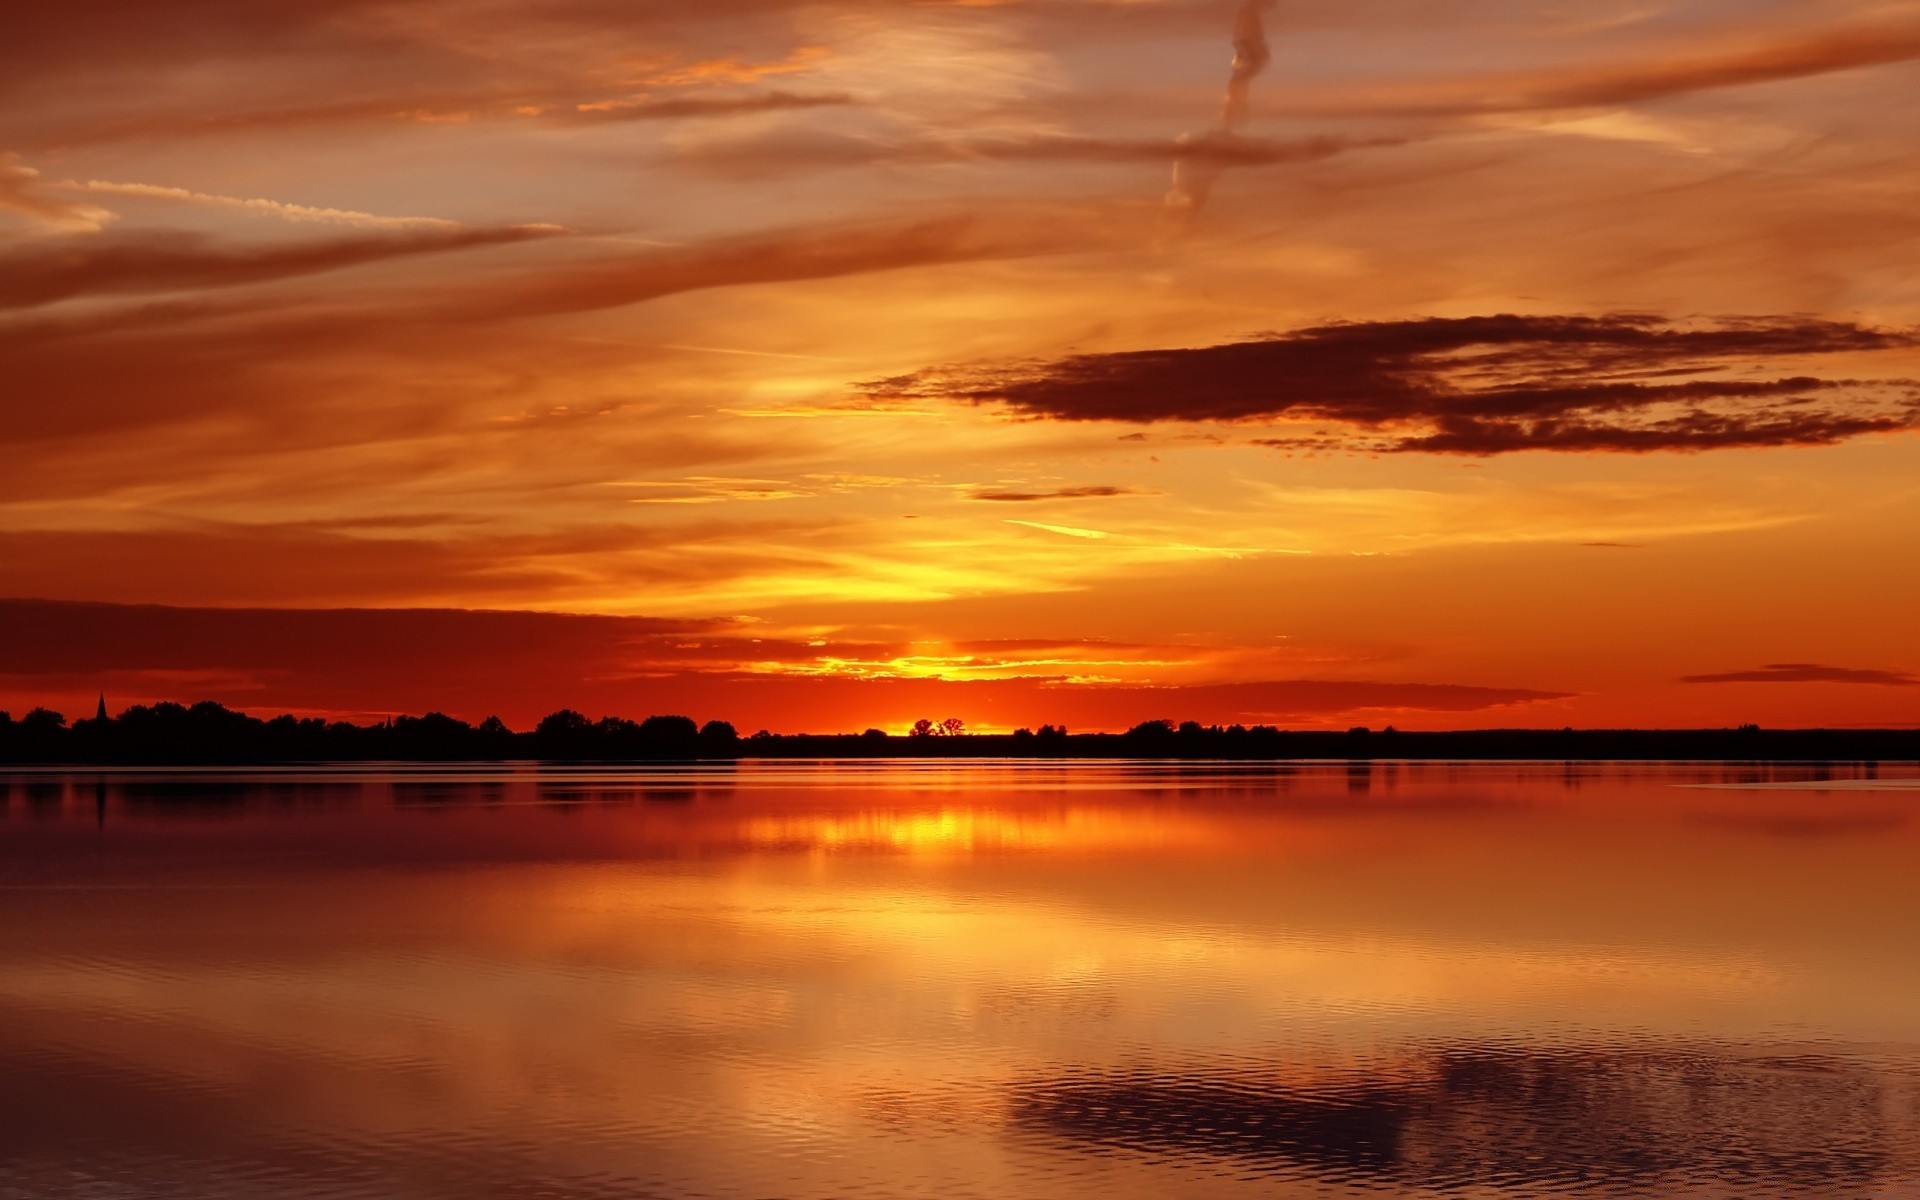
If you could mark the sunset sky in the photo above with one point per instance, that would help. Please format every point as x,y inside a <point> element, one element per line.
<point>824,365</point>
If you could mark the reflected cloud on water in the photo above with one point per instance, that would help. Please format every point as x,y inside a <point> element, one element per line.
<point>1510,1117</point>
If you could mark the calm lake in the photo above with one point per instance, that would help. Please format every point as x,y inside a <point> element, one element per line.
<point>980,979</point>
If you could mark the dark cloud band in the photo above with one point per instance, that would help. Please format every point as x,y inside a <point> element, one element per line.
<point>1808,673</point>
<point>1475,385</point>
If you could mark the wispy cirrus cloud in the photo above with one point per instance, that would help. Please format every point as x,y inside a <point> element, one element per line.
<point>292,68</point>
<point>23,193</point>
<point>1809,673</point>
<point>38,273</point>
<point>257,206</point>
<point>1476,385</point>
<point>54,203</point>
<point>787,151</point>
<point>454,107</point>
<point>1730,59</point>
<point>101,372</point>
<point>1016,496</point>
<point>827,250</point>
<point>680,107</point>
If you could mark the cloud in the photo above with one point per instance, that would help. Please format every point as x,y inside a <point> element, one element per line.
<point>351,660</point>
<point>1475,385</point>
<point>73,636</point>
<point>38,273</point>
<point>260,207</point>
<point>785,151</point>
<point>183,360</point>
<point>22,193</point>
<point>124,71</point>
<point>452,107</point>
<point>424,39</point>
<point>825,251</point>
<point>344,564</point>
<point>680,107</point>
<point>1194,178</point>
<point>1063,530</point>
<point>1220,148</point>
<point>415,659</point>
<point>1808,673</point>
<point>1072,493</point>
<point>303,393</point>
<point>1803,55</point>
<point>210,67</point>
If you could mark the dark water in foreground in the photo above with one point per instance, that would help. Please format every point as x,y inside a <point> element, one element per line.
<point>912,979</point>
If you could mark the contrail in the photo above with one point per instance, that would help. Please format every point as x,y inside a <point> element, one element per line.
<point>270,208</point>
<point>1250,57</point>
<point>1194,177</point>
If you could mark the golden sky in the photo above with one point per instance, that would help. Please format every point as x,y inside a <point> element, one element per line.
<point>824,365</point>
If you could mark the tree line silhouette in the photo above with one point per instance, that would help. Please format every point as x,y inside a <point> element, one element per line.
<point>212,733</point>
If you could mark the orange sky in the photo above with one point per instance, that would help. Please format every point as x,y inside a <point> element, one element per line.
<point>835,364</point>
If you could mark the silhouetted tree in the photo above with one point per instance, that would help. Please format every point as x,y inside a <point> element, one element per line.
<point>719,739</point>
<point>668,737</point>
<point>564,721</point>
<point>563,734</point>
<point>921,728</point>
<point>669,728</point>
<point>435,736</point>
<point>42,721</point>
<point>493,739</point>
<point>208,732</point>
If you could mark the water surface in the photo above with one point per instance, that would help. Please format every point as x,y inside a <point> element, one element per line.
<point>977,979</point>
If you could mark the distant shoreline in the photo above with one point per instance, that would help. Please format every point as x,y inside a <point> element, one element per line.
<point>208,734</point>
<point>430,765</point>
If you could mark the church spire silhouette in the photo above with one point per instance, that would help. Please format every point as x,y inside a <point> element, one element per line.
<point>100,714</point>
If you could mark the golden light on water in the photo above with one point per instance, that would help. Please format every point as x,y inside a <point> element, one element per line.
<point>951,831</point>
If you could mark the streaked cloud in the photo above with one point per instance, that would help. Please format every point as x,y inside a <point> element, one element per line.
<point>785,152</point>
<point>1072,531</point>
<point>680,107</point>
<point>267,208</point>
<point>1086,492</point>
<point>1479,385</point>
<point>367,660</point>
<point>1732,59</point>
<point>37,273</point>
<point>24,194</point>
<point>1809,673</point>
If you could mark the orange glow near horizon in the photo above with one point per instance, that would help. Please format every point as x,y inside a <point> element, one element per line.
<point>822,366</point>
